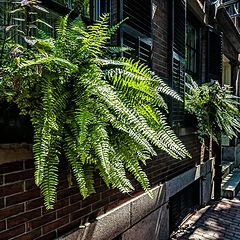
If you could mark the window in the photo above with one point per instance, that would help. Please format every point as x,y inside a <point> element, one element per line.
<point>233,9</point>
<point>99,7</point>
<point>226,71</point>
<point>214,67</point>
<point>191,51</point>
<point>136,32</point>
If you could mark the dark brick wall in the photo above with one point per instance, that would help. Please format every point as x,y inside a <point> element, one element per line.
<point>23,216</point>
<point>163,168</point>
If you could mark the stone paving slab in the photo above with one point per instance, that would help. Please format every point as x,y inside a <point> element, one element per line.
<point>220,220</point>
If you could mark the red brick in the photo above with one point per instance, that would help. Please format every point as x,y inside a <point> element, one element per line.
<point>11,211</point>
<point>61,203</point>
<point>30,235</point>
<point>81,213</point>
<point>63,175</point>
<point>101,188</point>
<point>70,209</point>
<point>38,202</point>
<point>30,184</point>
<point>55,225</point>
<point>75,198</point>
<point>92,199</point>
<point>10,189</point>
<point>58,205</point>
<point>116,196</point>
<point>49,236</point>
<point>63,185</point>
<point>42,220</point>
<point>13,232</point>
<point>97,181</point>
<point>109,192</point>
<point>2,225</point>
<point>11,167</point>
<point>1,179</point>
<point>17,176</point>
<point>29,164</point>
<point>67,192</point>
<point>22,197</point>
<point>1,203</point>
<point>99,204</point>
<point>21,218</point>
<point>74,225</point>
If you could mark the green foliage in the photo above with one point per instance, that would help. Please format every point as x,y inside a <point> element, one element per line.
<point>215,108</point>
<point>18,20</point>
<point>103,113</point>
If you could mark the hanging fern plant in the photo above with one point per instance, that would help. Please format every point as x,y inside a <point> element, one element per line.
<point>216,110</point>
<point>103,113</point>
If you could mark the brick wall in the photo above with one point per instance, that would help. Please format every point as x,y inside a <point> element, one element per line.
<point>23,216</point>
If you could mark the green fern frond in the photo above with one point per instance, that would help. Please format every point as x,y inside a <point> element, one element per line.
<point>98,35</point>
<point>118,175</point>
<point>50,181</point>
<point>62,26</point>
<point>76,164</point>
<point>101,148</point>
<point>46,60</point>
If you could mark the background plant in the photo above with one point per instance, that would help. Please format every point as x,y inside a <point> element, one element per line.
<point>215,108</point>
<point>102,113</point>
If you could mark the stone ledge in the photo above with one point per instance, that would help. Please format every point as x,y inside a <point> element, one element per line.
<point>119,219</point>
<point>143,205</point>
<point>13,152</point>
<point>178,183</point>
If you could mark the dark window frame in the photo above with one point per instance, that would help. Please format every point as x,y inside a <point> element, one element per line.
<point>141,40</point>
<point>196,25</point>
<point>192,50</point>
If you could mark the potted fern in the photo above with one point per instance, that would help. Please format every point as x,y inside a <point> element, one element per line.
<point>102,113</point>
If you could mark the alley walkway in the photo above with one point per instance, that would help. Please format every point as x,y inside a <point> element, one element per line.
<point>217,221</point>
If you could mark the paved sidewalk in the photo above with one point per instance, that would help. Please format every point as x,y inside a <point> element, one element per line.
<point>217,221</point>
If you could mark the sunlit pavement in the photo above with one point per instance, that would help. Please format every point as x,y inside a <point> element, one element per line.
<point>220,220</point>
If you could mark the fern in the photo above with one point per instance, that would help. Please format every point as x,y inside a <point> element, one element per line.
<point>215,108</point>
<point>106,115</point>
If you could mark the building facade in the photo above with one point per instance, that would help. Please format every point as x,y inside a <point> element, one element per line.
<point>173,37</point>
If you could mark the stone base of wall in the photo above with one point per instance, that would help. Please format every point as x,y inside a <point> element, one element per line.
<point>144,217</point>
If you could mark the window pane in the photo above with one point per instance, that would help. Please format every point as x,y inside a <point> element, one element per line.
<point>191,49</point>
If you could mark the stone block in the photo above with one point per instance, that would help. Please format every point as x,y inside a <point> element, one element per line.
<point>106,227</point>
<point>178,183</point>
<point>143,205</point>
<point>207,186</point>
<point>154,226</point>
